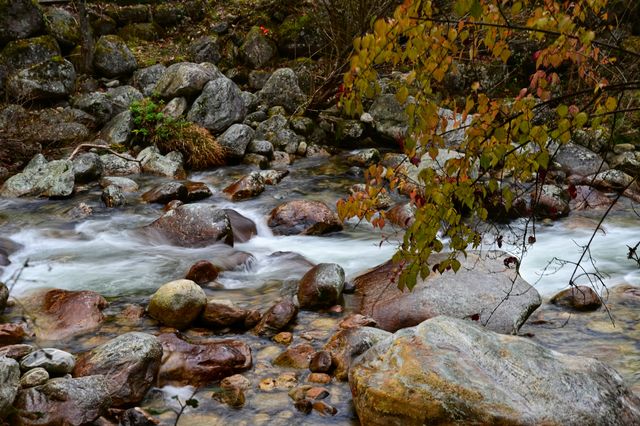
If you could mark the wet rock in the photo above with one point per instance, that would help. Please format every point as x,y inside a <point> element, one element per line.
<point>324,409</point>
<point>476,292</point>
<point>364,157</point>
<point>277,318</point>
<point>243,228</point>
<point>551,202</point>
<point>130,362</point>
<point>11,333</point>
<point>4,296</point>
<point>194,225</point>
<point>257,50</point>
<point>177,303</point>
<point>202,272</point>
<point>357,320</point>
<point>321,286</point>
<point>235,140</point>
<point>197,191</point>
<point>578,160</point>
<point>282,90</point>
<point>321,362</point>
<point>119,130</point>
<point>248,186</point>
<point>273,177</point>
<point>62,25</point>
<point>219,106</point>
<point>222,313</point>
<point>297,356</point>
<point>184,79</point>
<point>204,49</point>
<point>305,406</point>
<point>283,338</point>
<point>579,298</point>
<point>260,161</point>
<point>55,361</point>
<point>19,19</point>
<point>60,314</point>
<point>201,364</point>
<point>319,378</point>
<point>112,57</point>
<point>87,167</point>
<point>9,384</point>
<point>615,180</point>
<point>401,381</point>
<point>41,178</point>
<point>145,79</point>
<point>303,217</point>
<point>125,184</point>
<point>34,377</point>
<point>16,352</point>
<point>232,390</point>
<point>166,192</point>
<point>72,401</point>
<point>260,147</point>
<point>113,197</point>
<point>347,344</point>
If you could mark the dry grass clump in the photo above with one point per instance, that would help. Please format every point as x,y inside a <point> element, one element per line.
<point>200,149</point>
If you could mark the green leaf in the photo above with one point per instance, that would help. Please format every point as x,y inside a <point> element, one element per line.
<point>476,9</point>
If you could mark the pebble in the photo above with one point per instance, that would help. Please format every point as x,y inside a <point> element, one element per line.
<point>36,377</point>
<point>283,338</point>
<point>319,378</point>
<point>267,384</point>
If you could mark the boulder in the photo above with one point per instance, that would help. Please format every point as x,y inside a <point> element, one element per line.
<point>119,130</point>
<point>63,26</point>
<point>243,228</point>
<point>248,186</point>
<point>197,191</point>
<point>112,57</point>
<point>112,197</point>
<point>177,303</point>
<point>170,165</point>
<point>35,377</point>
<point>122,97</point>
<point>145,79</point>
<point>579,298</point>
<point>16,352</point>
<point>349,343</point>
<point>551,202</point>
<point>9,384</point>
<point>59,314</point>
<point>184,79</point>
<point>12,333</point>
<point>20,54</point>
<point>298,356</point>
<point>304,217</point>
<point>364,157</point>
<point>63,401</point>
<point>260,147</point>
<point>166,192</point>
<point>55,78</point>
<point>19,19</point>
<point>125,184</point>
<point>40,178</point>
<point>578,160</point>
<point>122,165</point>
<point>421,375</point>
<point>194,225</point>
<point>204,49</point>
<point>235,140</point>
<point>273,177</point>
<point>321,286</point>
<point>277,318</point>
<point>87,167</point>
<point>257,50</point>
<point>321,362</point>
<point>390,119</point>
<point>483,290</point>
<point>222,313</point>
<point>219,106</point>
<point>202,272</point>
<point>130,362</point>
<point>55,361</point>
<point>282,90</point>
<point>201,364</point>
<point>175,108</point>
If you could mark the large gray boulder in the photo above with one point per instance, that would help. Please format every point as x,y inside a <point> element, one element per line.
<point>578,160</point>
<point>184,79</point>
<point>451,371</point>
<point>390,118</point>
<point>282,89</point>
<point>219,106</point>
<point>123,165</point>
<point>483,290</point>
<point>112,57</point>
<point>98,104</point>
<point>55,78</point>
<point>21,54</point>
<point>9,384</point>
<point>122,97</point>
<point>145,79</point>
<point>257,50</point>
<point>19,19</point>
<point>130,362</point>
<point>63,26</point>
<point>321,286</point>
<point>87,167</point>
<point>235,140</point>
<point>41,179</point>
<point>194,225</point>
<point>153,162</point>
<point>55,361</point>
<point>63,401</point>
<point>119,130</point>
<point>177,303</point>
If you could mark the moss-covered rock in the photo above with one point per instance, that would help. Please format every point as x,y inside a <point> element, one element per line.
<point>257,49</point>
<point>19,19</point>
<point>140,31</point>
<point>55,78</point>
<point>64,26</point>
<point>112,57</point>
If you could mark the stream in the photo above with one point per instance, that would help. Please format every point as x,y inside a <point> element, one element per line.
<point>106,253</point>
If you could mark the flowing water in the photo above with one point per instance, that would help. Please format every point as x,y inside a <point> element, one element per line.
<point>106,252</point>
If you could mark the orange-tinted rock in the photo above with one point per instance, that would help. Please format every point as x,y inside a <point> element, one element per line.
<point>11,334</point>
<point>297,356</point>
<point>321,362</point>
<point>246,187</point>
<point>165,193</point>
<point>277,318</point>
<point>200,364</point>
<point>401,215</point>
<point>303,217</point>
<point>357,320</point>
<point>580,298</point>
<point>202,272</point>
<point>196,191</point>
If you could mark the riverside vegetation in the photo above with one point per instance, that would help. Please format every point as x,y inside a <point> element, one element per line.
<point>292,212</point>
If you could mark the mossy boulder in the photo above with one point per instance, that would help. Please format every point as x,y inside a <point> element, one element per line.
<point>19,19</point>
<point>55,78</point>
<point>112,57</point>
<point>20,54</point>
<point>257,49</point>
<point>282,89</point>
<point>146,31</point>
<point>64,26</point>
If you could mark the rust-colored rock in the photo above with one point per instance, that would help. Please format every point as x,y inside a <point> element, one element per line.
<point>277,318</point>
<point>297,356</point>
<point>321,362</point>
<point>248,186</point>
<point>401,215</point>
<point>11,334</point>
<point>243,227</point>
<point>357,320</point>
<point>222,313</point>
<point>579,298</point>
<point>162,194</point>
<point>200,364</point>
<point>303,217</point>
<point>202,272</point>
<point>347,344</point>
<point>197,191</point>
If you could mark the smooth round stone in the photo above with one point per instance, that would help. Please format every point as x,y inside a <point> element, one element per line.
<point>55,361</point>
<point>36,377</point>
